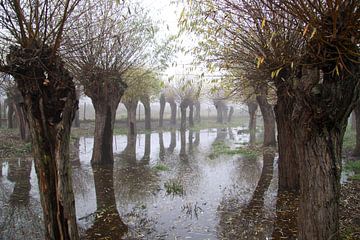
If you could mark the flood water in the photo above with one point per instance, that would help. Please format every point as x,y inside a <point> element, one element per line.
<point>216,197</point>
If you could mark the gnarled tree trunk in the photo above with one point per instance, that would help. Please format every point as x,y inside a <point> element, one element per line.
<point>320,116</point>
<point>50,104</point>
<point>105,96</point>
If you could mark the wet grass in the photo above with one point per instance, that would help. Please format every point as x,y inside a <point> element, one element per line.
<point>349,139</point>
<point>11,145</point>
<point>161,167</point>
<point>353,166</point>
<point>174,187</point>
<point>220,148</point>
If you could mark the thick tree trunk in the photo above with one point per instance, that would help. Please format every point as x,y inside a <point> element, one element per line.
<point>146,102</point>
<point>197,112</point>
<point>104,129</point>
<point>191,115</point>
<point>162,109</point>
<point>269,120</point>
<point>50,104</point>
<point>289,175</point>
<point>356,114</point>
<point>231,112</point>
<point>320,168</point>
<point>320,116</point>
<point>131,116</point>
<point>173,113</point>
<point>252,107</point>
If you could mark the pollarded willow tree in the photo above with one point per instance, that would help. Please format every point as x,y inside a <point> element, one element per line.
<point>115,38</point>
<point>143,85</point>
<point>310,51</point>
<point>31,35</point>
<point>187,92</point>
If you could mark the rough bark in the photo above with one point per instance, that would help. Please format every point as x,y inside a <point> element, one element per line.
<point>191,115</point>
<point>320,118</point>
<point>268,118</point>
<point>49,103</point>
<point>289,175</point>
<point>356,114</point>
<point>162,109</point>
<point>173,113</point>
<point>252,108</point>
<point>131,106</point>
<point>146,102</point>
<point>20,115</point>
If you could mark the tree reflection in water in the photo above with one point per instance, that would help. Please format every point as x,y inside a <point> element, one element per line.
<point>248,221</point>
<point>107,223</point>
<point>19,217</point>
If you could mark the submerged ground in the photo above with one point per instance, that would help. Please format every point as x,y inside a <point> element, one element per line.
<point>210,187</point>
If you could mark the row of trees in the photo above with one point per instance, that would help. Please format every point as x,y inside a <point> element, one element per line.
<point>305,56</point>
<point>49,47</point>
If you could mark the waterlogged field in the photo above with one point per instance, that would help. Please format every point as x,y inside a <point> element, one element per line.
<point>158,188</point>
